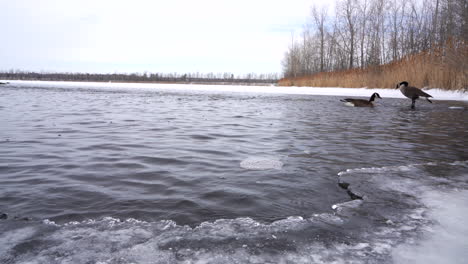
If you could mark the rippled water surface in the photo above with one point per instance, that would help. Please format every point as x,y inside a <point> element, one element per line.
<point>177,161</point>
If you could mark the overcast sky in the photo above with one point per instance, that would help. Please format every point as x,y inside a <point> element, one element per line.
<point>238,36</point>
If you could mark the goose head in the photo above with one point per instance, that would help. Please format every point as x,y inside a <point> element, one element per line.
<point>402,84</point>
<point>373,97</point>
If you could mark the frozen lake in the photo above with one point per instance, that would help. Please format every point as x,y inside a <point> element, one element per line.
<point>103,173</point>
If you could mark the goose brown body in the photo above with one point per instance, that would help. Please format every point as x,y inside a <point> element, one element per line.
<point>412,93</point>
<point>362,102</point>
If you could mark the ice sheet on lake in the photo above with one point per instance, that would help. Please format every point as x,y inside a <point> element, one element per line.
<point>408,214</point>
<point>446,241</point>
<point>438,94</point>
<point>434,194</point>
<point>456,107</point>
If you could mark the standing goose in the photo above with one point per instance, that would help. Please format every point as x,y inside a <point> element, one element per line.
<point>412,93</point>
<point>361,102</point>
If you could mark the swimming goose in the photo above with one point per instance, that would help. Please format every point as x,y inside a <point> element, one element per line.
<point>412,92</point>
<point>361,102</point>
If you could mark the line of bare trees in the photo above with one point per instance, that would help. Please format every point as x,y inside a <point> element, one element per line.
<point>250,78</point>
<point>363,33</point>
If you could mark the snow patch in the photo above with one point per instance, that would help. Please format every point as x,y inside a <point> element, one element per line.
<point>438,94</point>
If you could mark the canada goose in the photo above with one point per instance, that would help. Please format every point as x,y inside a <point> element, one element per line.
<point>412,93</point>
<point>361,102</point>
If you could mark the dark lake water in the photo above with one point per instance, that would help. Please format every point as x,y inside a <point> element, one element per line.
<point>155,176</point>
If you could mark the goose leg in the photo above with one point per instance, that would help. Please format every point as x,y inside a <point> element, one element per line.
<point>428,100</point>
<point>413,102</point>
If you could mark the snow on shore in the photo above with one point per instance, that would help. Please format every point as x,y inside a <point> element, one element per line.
<point>438,94</point>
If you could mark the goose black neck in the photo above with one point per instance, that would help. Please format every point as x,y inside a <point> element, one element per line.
<point>372,97</point>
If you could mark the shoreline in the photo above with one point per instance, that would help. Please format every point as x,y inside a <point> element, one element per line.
<point>438,94</point>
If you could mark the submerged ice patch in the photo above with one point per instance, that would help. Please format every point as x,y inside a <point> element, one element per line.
<point>261,163</point>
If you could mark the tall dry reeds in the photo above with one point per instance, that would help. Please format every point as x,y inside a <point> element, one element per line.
<point>444,68</point>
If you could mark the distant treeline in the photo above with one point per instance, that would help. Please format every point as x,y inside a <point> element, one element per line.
<point>226,78</point>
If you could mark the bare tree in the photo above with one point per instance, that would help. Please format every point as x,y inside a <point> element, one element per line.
<point>320,19</point>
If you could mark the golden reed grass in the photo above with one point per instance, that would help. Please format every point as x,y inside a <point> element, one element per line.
<point>445,68</point>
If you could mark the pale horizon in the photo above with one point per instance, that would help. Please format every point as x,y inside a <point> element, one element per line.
<point>178,36</point>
